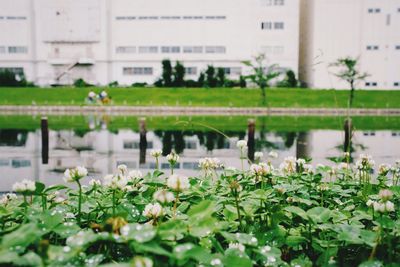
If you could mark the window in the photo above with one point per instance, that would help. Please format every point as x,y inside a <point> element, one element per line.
<point>125,18</point>
<point>279,2</point>
<point>215,17</point>
<point>371,84</point>
<point>193,49</point>
<point>16,18</point>
<point>148,49</point>
<point>148,18</point>
<point>2,49</point>
<point>170,17</point>
<point>170,49</point>
<point>131,145</point>
<point>17,71</point>
<point>191,70</point>
<point>215,49</point>
<point>372,47</point>
<point>232,70</point>
<point>125,49</point>
<point>266,25</point>
<point>397,47</point>
<point>374,10</point>
<point>273,2</point>
<point>137,71</point>
<point>20,163</point>
<point>396,84</point>
<point>17,49</point>
<point>279,25</point>
<point>190,165</point>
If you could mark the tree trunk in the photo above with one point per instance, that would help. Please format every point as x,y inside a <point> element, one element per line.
<point>351,94</point>
<point>263,95</point>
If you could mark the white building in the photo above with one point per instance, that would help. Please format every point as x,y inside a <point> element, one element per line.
<point>368,29</point>
<point>101,41</point>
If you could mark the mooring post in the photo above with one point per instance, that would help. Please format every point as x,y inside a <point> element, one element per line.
<point>251,128</point>
<point>143,140</point>
<point>348,129</point>
<point>45,140</point>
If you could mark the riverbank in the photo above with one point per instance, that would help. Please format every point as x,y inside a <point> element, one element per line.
<point>203,97</point>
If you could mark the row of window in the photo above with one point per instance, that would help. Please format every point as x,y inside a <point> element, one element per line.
<point>12,18</point>
<point>17,71</point>
<point>273,2</point>
<point>170,17</point>
<point>373,84</point>
<point>171,49</point>
<point>272,25</point>
<point>13,49</point>
<point>128,71</point>
<point>376,47</point>
<point>378,10</point>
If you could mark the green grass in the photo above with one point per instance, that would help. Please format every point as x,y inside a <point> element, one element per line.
<point>224,124</point>
<point>236,97</point>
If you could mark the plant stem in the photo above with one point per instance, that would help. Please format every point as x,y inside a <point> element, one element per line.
<point>79,200</point>
<point>175,205</point>
<point>237,208</point>
<point>113,203</point>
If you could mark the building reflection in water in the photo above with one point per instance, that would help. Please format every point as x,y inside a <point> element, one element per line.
<point>102,150</point>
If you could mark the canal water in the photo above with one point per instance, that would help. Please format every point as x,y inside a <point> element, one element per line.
<point>100,143</point>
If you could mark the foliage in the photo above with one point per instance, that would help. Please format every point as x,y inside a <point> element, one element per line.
<point>113,84</point>
<point>10,79</point>
<point>81,83</point>
<point>221,79</point>
<point>223,217</point>
<point>166,73</point>
<point>290,80</point>
<point>348,71</point>
<point>179,75</point>
<point>211,79</point>
<point>262,74</point>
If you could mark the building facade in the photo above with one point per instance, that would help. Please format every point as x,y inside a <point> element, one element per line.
<point>367,29</point>
<point>101,41</point>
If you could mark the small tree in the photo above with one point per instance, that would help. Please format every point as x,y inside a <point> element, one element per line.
<point>167,73</point>
<point>348,71</point>
<point>262,73</point>
<point>290,80</point>
<point>201,80</point>
<point>179,75</point>
<point>211,80</point>
<point>221,79</point>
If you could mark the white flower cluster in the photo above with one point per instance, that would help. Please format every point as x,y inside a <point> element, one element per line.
<point>288,166</point>
<point>121,179</point>
<point>139,261</point>
<point>384,205</point>
<point>7,198</point>
<point>156,153</point>
<point>95,182</point>
<point>237,246</point>
<point>163,196</point>
<point>384,169</point>
<point>258,155</point>
<point>172,158</point>
<point>153,210</point>
<point>365,163</point>
<point>209,164</point>
<point>261,169</point>
<point>178,183</point>
<point>56,197</point>
<point>241,144</point>
<point>343,166</point>
<point>72,175</point>
<point>273,154</point>
<point>24,186</point>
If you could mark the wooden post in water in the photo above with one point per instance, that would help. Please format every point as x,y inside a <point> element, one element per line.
<point>303,145</point>
<point>348,129</point>
<point>45,140</point>
<point>143,140</point>
<point>251,128</point>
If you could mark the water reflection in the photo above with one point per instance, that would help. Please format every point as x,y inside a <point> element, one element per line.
<point>102,150</point>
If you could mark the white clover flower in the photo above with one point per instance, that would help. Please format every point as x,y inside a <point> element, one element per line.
<point>385,194</point>
<point>384,169</point>
<point>273,154</point>
<point>92,94</point>
<point>343,166</point>
<point>122,169</point>
<point>209,164</point>
<point>237,246</point>
<point>308,168</point>
<point>258,155</point>
<point>153,210</point>
<point>288,166</point>
<point>134,175</point>
<point>261,169</point>
<point>95,182</point>
<point>241,144</point>
<point>172,158</point>
<point>216,262</point>
<point>389,206</point>
<point>115,181</point>
<point>72,175</point>
<point>24,186</point>
<point>163,196</point>
<point>346,155</point>
<point>370,203</point>
<point>156,153</point>
<point>7,198</point>
<point>379,207</point>
<point>178,183</point>
<point>140,261</point>
<point>301,162</point>
<point>365,163</point>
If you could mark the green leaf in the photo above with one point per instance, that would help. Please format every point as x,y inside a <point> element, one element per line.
<point>294,240</point>
<point>371,264</point>
<point>319,214</point>
<point>235,258</point>
<point>297,211</point>
<point>22,237</point>
<point>139,232</point>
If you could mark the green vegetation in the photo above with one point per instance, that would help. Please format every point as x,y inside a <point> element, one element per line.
<point>293,215</point>
<point>224,124</point>
<point>224,97</point>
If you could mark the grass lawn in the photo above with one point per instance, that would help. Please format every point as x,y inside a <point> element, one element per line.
<point>202,123</point>
<point>236,97</point>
